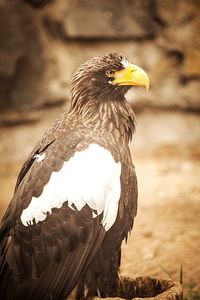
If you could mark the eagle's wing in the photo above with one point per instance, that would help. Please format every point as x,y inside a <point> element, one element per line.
<point>66,198</point>
<point>51,134</point>
<point>102,276</point>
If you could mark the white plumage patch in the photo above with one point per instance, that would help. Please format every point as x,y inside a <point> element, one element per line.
<point>90,177</point>
<point>125,62</point>
<point>39,157</point>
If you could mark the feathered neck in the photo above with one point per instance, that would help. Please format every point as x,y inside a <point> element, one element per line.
<point>113,117</point>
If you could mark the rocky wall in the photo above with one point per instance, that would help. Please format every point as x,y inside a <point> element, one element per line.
<point>42,42</point>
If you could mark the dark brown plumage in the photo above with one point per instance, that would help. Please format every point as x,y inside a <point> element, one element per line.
<point>45,254</point>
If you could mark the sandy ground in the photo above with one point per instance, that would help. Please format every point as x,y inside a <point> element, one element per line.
<point>166,154</point>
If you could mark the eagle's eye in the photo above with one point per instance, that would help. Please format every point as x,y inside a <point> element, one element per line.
<point>110,73</point>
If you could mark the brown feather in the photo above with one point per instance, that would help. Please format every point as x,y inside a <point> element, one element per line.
<point>46,260</point>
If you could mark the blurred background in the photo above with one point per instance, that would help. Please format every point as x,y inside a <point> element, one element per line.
<point>42,42</point>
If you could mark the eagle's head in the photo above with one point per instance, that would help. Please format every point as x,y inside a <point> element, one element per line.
<point>106,78</point>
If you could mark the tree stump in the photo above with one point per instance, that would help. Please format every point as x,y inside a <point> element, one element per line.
<point>148,288</point>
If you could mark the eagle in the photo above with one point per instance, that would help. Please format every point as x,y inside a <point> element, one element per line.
<point>75,198</point>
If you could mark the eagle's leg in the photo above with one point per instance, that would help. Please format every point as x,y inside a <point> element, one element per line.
<point>101,280</point>
<point>87,293</point>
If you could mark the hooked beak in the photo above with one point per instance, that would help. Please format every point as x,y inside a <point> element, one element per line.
<point>132,75</point>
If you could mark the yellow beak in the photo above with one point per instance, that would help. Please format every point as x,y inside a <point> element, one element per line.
<point>132,75</point>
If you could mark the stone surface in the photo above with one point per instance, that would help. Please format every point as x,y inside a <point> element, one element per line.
<point>182,20</point>
<point>40,48</point>
<point>107,19</point>
<point>27,69</point>
<point>37,3</point>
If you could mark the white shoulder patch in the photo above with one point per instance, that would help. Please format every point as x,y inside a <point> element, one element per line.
<point>90,177</point>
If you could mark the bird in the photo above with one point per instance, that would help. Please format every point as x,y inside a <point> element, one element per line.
<point>75,198</point>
